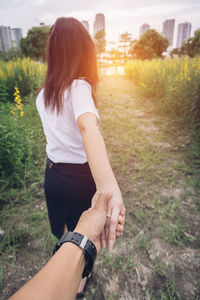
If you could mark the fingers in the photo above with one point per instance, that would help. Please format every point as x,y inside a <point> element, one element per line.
<point>103,238</point>
<point>121,219</point>
<point>123,211</point>
<point>102,201</point>
<point>120,228</point>
<point>112,229</point>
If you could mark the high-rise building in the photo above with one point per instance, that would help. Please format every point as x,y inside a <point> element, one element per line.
<point>9,37</point>
<point>184,31</point>
<point>86,25</point>
<point>144,28</point>
<point>16,35</point>
<point>1,44</point>
<point>168,30</point>
<point>99,23</point>
<point>5,36</point>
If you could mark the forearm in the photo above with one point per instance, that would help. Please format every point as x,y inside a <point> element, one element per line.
<point>59,279</point>
<point>98,159</point>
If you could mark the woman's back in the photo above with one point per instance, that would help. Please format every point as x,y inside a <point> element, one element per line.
<point>64,140</point>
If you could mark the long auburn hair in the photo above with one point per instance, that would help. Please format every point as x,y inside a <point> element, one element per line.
<point>70,55</point>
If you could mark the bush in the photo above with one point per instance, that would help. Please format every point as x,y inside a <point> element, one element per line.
<point>21,145</point>
<point>24,73</point>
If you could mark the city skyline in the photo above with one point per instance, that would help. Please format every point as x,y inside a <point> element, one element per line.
<point>120,17</point>
<point>10,37</point>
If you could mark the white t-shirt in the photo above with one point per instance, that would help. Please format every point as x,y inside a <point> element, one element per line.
<point>64,140</point>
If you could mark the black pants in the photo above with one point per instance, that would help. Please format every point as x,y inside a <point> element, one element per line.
<point>69,189</point>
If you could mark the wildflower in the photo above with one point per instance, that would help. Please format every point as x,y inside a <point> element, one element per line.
<point>12,112</point>
<point>142,84</point>
<point>18,109</point>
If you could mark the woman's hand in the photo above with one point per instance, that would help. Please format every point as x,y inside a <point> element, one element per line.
<point>115,219</point>
<point>93,220</point>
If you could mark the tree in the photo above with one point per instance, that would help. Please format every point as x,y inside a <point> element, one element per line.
<point>115,55</point>
<point>125,40</point>
<point>175,52</point>
<point>150,45</point>
<point>34,45</point>
<point>100,42</point>
<point>191,46</point>
<point>12,53</point>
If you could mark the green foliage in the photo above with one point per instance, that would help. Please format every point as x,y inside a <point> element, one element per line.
<point>24,73</point>
<point>12,53</point>
<point>191,47</point>
<point>4,96</point>
<point>34,45</point>
<point>170,293</point>
<point>13,239</point>
<point>20,147</point>
<point>150,45</point>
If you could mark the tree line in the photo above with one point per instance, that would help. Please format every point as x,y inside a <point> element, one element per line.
<point>150,45</point>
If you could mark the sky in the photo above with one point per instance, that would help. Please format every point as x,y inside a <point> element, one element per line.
<point>120,15</point>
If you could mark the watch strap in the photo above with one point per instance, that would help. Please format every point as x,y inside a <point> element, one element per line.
<point>85,244</point>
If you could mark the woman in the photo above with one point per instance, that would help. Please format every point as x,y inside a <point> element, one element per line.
<point>77,167</point>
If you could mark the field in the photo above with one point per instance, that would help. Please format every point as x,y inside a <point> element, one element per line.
<point>172,84</point>
<point>156,161</point>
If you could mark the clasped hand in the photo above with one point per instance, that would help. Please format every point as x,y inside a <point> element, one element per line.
<point>114,225</point>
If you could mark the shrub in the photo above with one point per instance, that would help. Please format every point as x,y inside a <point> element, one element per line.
<point>21,145</point>
<point>24,73</point>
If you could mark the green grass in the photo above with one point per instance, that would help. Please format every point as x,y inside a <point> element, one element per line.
<point>169,293</point>
<point>143,242</point>
<point>175,234</point>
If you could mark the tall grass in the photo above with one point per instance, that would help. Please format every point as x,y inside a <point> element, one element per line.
<point>24,73</point>
<point>21,135</point>
<point>172,84</point>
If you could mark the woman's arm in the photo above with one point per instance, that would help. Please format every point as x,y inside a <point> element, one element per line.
<point>102,172</point>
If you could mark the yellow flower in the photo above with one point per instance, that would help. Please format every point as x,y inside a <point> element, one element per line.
<point>142,84</point>
<point>21,114</point>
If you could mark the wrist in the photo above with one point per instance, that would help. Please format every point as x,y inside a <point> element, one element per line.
<point>85,245</point>
<point>108,187</point>
<point>88,234</point>
<point>78,254</point>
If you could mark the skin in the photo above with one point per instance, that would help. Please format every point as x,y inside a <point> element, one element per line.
<point>103,176</point>
<point>55,281</point>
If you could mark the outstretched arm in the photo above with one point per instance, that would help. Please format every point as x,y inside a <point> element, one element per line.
<point>61,276</point>
<point>102,173</point>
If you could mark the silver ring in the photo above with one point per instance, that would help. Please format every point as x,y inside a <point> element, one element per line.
<point>108,216</point>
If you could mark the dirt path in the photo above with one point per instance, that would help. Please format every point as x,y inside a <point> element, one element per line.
<point>158,256</point>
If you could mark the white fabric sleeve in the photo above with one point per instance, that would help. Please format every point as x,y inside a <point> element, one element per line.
<point>82,100</point>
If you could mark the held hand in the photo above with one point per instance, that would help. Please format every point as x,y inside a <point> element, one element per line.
<point>115,224</point>
<point>92,221</point>
<point>115,219</point>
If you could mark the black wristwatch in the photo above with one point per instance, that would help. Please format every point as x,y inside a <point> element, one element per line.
<point>89,249</point>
